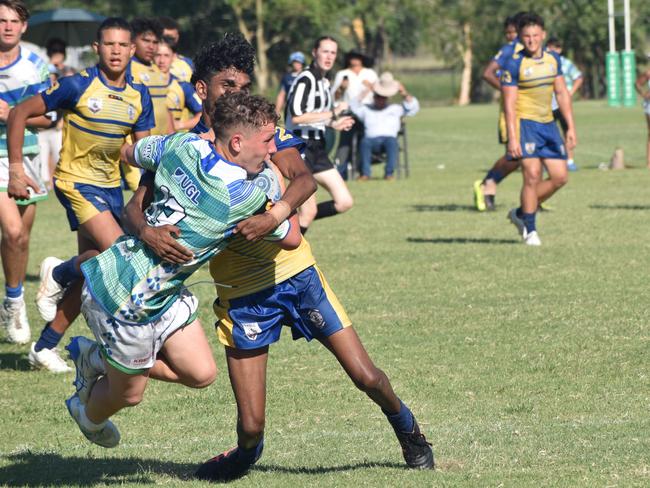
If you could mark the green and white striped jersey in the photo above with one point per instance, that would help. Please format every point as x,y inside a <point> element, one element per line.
<point>201,193</point>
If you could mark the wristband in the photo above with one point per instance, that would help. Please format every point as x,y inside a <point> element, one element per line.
<point>280,211</point>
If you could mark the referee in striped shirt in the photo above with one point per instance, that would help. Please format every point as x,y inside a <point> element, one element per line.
<point>309,111</point>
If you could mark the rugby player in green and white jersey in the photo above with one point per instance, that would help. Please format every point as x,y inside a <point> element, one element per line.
<point>134,302</point>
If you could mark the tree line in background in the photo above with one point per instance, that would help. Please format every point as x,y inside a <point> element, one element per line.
<point>463,34</point>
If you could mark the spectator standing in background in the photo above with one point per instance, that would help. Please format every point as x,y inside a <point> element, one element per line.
<point>297,63</point>
<point>350,86</point>
<point>382,123</point>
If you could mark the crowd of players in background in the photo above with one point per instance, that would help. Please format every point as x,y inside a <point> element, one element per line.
<point>189,206</point>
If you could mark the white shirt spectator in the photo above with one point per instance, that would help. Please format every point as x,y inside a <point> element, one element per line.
<point>385,122</point>
<point>355,84</point>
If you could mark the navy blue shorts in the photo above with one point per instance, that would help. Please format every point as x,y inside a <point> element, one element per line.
<point>83,201</point>
<point>541,140</point>
<point>304,302</point>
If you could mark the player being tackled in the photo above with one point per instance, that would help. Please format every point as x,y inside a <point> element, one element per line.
<point>134,302</point>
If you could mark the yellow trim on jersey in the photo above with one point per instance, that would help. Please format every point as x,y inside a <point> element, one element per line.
<point>131,175</point>
<point>535,87</point>
<point>94,132</point>
<point>254,266</point>
<point>181,69</point>
<point>158,85</point>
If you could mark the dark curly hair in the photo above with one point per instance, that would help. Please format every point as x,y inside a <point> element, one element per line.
<point>141,25</point>
<point>529,18</point>
<point>232,51</point>
<point>241,109</point>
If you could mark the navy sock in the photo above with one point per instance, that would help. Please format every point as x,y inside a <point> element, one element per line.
<point>494,174</point>
<point>16,292</point>
<point>519,213</point>
<point>325,209</point>
<point>529,221</point>
<point>401,421</point>
<point>49,339</point>
<point>248,457</point>
<point>66,273</point>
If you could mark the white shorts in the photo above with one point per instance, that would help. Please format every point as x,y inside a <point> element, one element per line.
<point>646,106</point>
<point>49,142</point>
<point>32,165</point>
<point>132,348</point>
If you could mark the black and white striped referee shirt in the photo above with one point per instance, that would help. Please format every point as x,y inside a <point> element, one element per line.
<point>309,93</point>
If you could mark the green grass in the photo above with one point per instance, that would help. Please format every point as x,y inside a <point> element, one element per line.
<point>525,367</point>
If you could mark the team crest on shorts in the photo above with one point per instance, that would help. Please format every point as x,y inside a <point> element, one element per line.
<point>252,330</point>
<point>95,104</point>
<point>530,147</point>
<point>316,318</point>
<point>562,150</point>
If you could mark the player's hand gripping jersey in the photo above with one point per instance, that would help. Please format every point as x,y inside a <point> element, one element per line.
<point>96,121</point>
<point>195,189</point>
<point>534,78</point>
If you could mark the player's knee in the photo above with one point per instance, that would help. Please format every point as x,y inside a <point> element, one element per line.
<point>560,180</point>
<point>131,399</point>
<point>14,235</point>
<point>203,378</point>
<point>344,204</point>
<point>369,379</point>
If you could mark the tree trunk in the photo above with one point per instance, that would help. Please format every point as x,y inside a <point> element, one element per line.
<point>262,66</point>
<point>466,78</point>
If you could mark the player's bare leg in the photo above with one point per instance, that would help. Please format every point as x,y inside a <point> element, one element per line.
<point>247,371</point>
<point>186,358</point>
<point>647,118</point>
<point>349,351</point>
<point>16,222</point>
<point>557,177</point>
<point>307,213</point>
<point>341,201</point>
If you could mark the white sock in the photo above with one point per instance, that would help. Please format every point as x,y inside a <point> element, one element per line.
<point>569,162</point>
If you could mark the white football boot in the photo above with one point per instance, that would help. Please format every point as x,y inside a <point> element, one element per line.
<point>104,434</point>
<point>47,359</point>
<point>13,316</point>
<point>49,291</point>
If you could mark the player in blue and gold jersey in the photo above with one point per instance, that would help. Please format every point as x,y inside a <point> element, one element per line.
<point>182,99</point>
<point>272,287</point>
<point>102,106</point>
<point>485,190</point>
<point>529,78</point>
<point>147,34</point>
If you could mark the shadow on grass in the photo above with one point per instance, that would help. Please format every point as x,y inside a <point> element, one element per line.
<point>326,469</point>
<point>32,278</point>
<point>447,207</point>
<point>619,207</point>
<point>46,469</point>
<point>462,240</point>
<point>14,361</point>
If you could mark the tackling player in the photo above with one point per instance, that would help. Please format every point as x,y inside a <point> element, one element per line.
<point>291,285</point>
<point>133,301</point>
<point>22,75</point>
<point>485,190</point>
<point>102,106</point>
<point>529,78</point>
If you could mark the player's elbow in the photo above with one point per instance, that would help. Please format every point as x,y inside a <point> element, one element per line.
<point>292,241</point>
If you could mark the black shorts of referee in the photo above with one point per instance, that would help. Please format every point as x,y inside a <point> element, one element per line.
<point>315,154</point>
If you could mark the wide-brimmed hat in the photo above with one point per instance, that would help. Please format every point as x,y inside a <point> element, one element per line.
<point>297,56</point>
<point>386,86</point>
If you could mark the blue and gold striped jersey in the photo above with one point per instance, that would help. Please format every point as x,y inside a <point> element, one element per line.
<point>534,77</point>
<point>182,68</point>
<point>183,100</point>
<point>97,119</point>
<point>158,85</point>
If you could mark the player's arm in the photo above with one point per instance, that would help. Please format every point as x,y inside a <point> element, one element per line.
<point>577,84</point>
<point>161,240</point>
<point>299,110</point>
<point>564,103</point>
<point>19,182</point>
<point>301,186</point>
<point>279,100</point>
<point>509,103</point>
<point>490,74</point>
<point>294,236</point>
<point>642,83</point>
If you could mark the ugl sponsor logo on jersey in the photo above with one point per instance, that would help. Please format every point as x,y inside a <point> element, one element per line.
<point>186,184</point>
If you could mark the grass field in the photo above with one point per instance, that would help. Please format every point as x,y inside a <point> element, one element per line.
<point>526,367</point>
